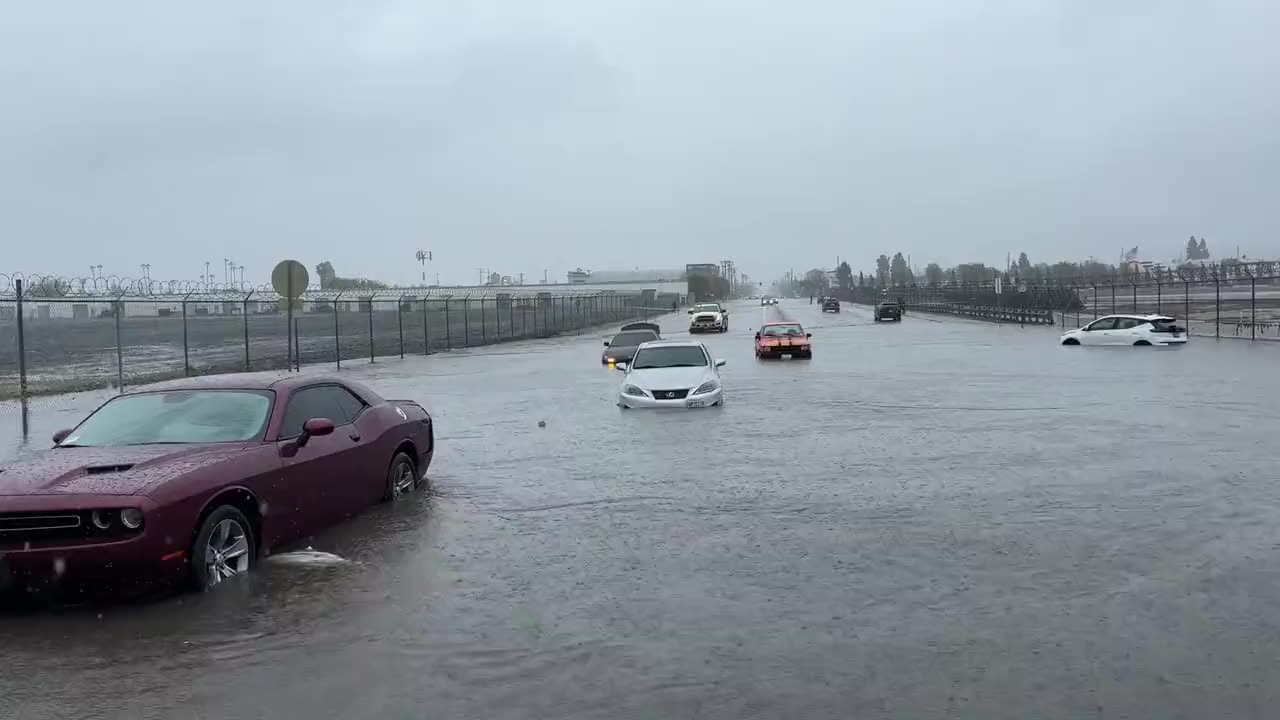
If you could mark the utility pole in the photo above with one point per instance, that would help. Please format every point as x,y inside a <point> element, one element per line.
<point>423,256</point>
<point>521,278</point>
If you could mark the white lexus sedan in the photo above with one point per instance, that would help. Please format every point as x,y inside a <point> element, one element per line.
<point>1140,330</point>
<point>671,373</point>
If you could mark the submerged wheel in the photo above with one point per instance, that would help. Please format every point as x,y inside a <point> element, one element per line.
<point>1141,343</point>
<point>1071,341</point>
<point>224,548</point>
<point>402,477</point>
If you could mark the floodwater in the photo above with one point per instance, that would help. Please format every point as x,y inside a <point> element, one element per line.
<point>937,518</point>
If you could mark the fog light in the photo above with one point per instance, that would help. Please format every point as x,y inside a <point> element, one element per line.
<point>131,517</point>
<point>101,519</point>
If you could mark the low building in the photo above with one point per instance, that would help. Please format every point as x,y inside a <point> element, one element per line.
<point>579,276</point>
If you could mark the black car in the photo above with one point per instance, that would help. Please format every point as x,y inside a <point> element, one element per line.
<point>888,311</point>
<point>622,347</point>
<point>830,305</point>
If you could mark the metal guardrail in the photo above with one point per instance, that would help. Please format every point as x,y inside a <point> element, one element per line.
<point>62,336</point>
<point>989,314</point>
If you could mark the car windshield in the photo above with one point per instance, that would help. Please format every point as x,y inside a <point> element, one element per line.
<point>179,416</point>
<point>631,339</point>
<point>706,308</point>
<point>669,356</point>
<point>782,331</point>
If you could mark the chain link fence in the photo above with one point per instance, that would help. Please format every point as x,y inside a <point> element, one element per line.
<point>60,337</point>
<point>1239,300</point>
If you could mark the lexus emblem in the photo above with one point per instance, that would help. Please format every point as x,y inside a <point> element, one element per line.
<point>671,394</point>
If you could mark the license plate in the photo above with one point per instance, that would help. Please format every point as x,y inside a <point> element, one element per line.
<point>697,403</point>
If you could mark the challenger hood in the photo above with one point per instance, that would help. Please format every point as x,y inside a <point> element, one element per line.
<point>130,470</point>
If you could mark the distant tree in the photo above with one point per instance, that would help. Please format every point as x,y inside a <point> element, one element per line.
<point>882,269</point>
<point>844,276</point>
<point>862,279</point>
<point>973,272</point>
<point>326,274</point>
<point>933,274</point>
<point>899,272</point>
<point>1024,265</point>
<point>1193,249</point>
<point>707,286</point>
<point>1203,250</point>
<point>329,280</point>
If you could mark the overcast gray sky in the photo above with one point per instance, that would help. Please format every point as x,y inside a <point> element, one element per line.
<point>523,135</point>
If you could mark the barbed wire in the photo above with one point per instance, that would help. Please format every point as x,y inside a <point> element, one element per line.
<point>1207,273</point>
<point>111,287</point>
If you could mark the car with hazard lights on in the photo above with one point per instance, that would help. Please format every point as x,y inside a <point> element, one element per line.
<point>708,317</point>
<point>192,482</point>
<point>778,339</point>
<point>622,347</point>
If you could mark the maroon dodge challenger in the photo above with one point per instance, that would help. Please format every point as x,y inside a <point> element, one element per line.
<point>192,481</point>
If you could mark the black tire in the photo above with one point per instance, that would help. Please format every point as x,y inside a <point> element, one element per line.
<point>1071,341</point>
<point>1142,343</point>
<point>394,488</point>
<point>201,578</point>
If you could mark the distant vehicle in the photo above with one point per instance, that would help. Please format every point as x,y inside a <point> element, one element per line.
<point>888,311</point>
<point>671,373</point>
<point>1140,330</point>
<point>830,305</point>
<point>172,484</point>
<point>621,347</point>
<point>776,339</point>
<point>708,317</point>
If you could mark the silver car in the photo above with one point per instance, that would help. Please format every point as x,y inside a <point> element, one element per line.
<point>671,373</point>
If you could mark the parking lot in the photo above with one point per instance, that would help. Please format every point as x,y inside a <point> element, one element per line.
<point>933,518</point>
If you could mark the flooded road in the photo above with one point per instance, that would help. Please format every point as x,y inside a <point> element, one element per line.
<point>936,518</point>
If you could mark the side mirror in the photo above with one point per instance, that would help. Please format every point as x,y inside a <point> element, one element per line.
<point>690,312</point>
<point>808,335</point>
<point>606,343</point>
<point>720,362</point>
<point>757,336</point>
<point>621,366</point>
<point>61,435</point>
<point>315,427</point>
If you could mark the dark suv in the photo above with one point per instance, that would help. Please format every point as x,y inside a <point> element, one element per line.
<point>889,311</point>
<point>830,305</point>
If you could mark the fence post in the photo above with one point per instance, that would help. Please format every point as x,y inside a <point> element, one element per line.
<point>1217,304</point>
<point>244,312</point>
<point>400,321</point>
<point>448,327</point>
<point>484,325</point>
<point>337,335</point>
<point>22,347</point>
<point>186,349</point>
<point>1113,296</point>
<point>426,339</point>
<point>1253,304</point>
<point>1159,296</point>
<point>119,307</point>
<point>466,322</point>
<point>371,352</point>
<point>297,347</point>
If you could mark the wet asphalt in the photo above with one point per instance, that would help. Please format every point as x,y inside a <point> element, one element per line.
<point>932,519</point>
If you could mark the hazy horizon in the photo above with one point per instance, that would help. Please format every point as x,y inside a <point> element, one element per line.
<point>605,136</point>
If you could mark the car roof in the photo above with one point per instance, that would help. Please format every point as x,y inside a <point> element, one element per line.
<point>1138,316</point>
<point>781,322</point>
<point>248,381</point>
<point>676,342</point>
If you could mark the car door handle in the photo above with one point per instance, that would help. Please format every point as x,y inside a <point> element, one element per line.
<point>354,436</point>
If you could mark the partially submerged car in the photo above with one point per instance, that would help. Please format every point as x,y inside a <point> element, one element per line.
<point>777,339</point>
<point>830,305</point>
<point>622,347</point>
<point>891,311</point>
<point>708,317</point>
<point>671,373</point>
<point>190,482</point>
<point>1133,330</point>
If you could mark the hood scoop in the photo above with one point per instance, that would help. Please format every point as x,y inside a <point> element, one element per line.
<point>107,469</point>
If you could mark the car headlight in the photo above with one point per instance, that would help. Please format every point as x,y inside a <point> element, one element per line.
<point>131,518</point>
<point>101,519</point>
<point>706,387</point>
<point>634,391</point>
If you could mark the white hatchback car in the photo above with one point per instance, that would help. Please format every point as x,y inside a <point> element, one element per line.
<point>671,373</point>
<point>1128,330</point>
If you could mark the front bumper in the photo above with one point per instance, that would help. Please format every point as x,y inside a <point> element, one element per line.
<point>706,327</point>
<point>122,568</point>
<point>704,400</point>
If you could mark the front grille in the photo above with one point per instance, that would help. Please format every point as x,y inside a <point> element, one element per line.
<point>21,530</point>
<point>670,394</point>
